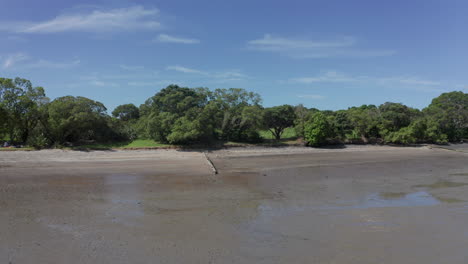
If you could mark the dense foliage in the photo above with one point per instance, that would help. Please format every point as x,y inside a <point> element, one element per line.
<point>278,118</point>
<point>181,115</point>
<point>317,130</point>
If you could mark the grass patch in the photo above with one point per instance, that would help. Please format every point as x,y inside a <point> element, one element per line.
<point>288,133</point>
<point>17,149</point>
<point>138,143</point>
<point>145,143</point>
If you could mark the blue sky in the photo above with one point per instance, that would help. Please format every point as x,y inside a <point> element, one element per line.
<point>324,54</point>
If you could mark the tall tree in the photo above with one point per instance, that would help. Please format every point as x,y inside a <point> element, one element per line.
<point>302,114</point>
<point>176,115</point>
<point>365,121</point>
<point>395,116</point>
<point>233,118</point>
<point>317,130</point>
<point>21,103</point>
<point>73,119</point>
<point>278,118</point>
<point>126,112</point>
<point>448,113</point>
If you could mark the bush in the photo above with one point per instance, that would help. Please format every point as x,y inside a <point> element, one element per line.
<point>317,130</point>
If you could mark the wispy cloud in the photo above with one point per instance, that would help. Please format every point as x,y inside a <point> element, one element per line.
<point>394,81</point>
<point>22,60</point>
<point>271,43</point>
<point>13,59</point>
<point>220,77</point>
<point>131,67</point>
<point>419,82</point>
<point>172,39</point>
<point>329,76</point>
<point>186,70</point>
<point>228,76</point>
<point>154,83</point>
<point>121,19</point>
<point>311,96</point>
<point>305,48</point>
<point>103,84</point>
<point>52,64</point>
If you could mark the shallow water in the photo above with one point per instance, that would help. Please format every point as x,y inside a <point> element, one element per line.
<point>421,198</point>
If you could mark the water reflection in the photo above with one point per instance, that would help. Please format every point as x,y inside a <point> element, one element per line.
<point>411,199</point>
<point>123,197</point>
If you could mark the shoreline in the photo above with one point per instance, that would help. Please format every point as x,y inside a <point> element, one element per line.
<point>122,155</point>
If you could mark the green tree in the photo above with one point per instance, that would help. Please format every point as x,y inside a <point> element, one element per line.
<point>278,118</point>
<point>177,115</point>
<point>395,116</point>
<point>317,130</point>
<point>302,115</point>
<point>365,121</point>
<point>21,103</point>
<point>448,115</point>
<point>341,124</point>
<point>3,122</point>
<point>126,112</point>
<point>233,118</point>
<point>74,119</point>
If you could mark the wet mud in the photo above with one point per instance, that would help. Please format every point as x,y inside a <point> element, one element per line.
<point>356,205</point>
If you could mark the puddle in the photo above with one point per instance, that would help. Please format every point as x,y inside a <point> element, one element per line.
<point>441,184</point>
<point>398,200</point>
<point>374,200</point>
<point>123,198</point>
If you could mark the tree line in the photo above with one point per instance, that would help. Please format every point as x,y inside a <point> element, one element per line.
<point>181,115</point>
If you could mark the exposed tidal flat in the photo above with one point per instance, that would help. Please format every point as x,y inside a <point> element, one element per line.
<point>357,204</point>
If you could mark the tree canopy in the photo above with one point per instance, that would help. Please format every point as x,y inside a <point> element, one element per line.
<point>182,115</point>
<point>126,112</point>
<point>278,118</point>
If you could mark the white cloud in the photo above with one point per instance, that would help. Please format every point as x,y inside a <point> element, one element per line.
<point>51,64</point>
<point>220,77</point>
<point>271,43</point>
<point>172,39</point>
<point>304,48</point>
<point>330,53</point>
<point>131,67</point>
<point>419,81</point>
<point>230,76</point>
<point>329,76</point>
<point>396,81</point>
<point>311,96</point>
<point>103,84</point>
<point>185,70</point>
<point>121,19</point>
<point>154,83</point>
<point>22,60</point>
<point>13,59</point>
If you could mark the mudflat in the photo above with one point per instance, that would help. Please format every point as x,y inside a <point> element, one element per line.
<point>359,204</point>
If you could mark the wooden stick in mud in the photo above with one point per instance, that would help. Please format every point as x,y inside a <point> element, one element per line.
<point>213,168</point>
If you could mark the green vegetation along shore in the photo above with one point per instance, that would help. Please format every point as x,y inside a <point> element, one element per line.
<point>181,116</point>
